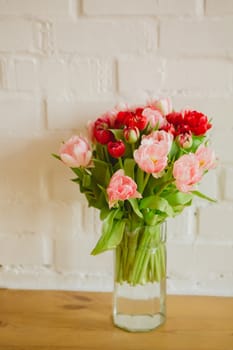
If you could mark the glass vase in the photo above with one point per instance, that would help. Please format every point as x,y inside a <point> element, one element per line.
<point>139,298</point>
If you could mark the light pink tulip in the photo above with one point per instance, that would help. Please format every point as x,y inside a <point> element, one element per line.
<point>161,138</point>
<point>151,158</point>
<point>121,187</point>
<point>154,117</point>
<point>164,105</point>
<point>76,152</point>
<point>187,172</point>
<point>206,158</point>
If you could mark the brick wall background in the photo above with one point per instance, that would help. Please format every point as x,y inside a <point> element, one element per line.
<point>63,62</point>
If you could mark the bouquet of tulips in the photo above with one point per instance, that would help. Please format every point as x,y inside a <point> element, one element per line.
<point>139,166</point>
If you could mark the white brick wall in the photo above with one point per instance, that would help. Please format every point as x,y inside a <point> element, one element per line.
<point>63,62</point>
<point>203,36</point>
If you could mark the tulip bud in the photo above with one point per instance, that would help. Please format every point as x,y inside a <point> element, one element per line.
<point>131,134</point>
<point>185,140</point>
<point>164,105</point>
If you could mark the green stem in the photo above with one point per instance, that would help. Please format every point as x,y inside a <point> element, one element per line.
<point>145,182</point>
<point>132,246</point>
<point>120,163</point>
<point>106,154</point>
<point>141,257</point>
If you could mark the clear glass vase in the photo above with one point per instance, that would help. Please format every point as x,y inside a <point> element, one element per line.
<point>139,298</point>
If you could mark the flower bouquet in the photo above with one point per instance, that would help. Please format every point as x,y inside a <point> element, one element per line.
<point>140,166</point>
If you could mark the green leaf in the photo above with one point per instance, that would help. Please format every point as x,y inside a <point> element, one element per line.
<point>179,198</point>
<point>134,205</point>
<point>197,141</point>
<point>56,156</point>
<point>86,181</point>
<point>108,222</point>
<point>104,211</point>
<point>101,172</point>
<point>110,238</point>
<point>173,152</point>
<point>118,133</point>
<point>78,171</point>
<point>76,180</point>
<point>203,196</point>
<point>159,203</point>
<point>140,179</point>
<point>99,201</point>
<point>129,165</point>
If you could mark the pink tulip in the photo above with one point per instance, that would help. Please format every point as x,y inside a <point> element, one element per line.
<point>76,152</point>
<point>161,138</point>
<point>151,156</point>
<point>121,187</point>
<point>154,117</point>
<point>151,159</point>
<point>164,105</point>
<point>206,158</point>
<point>187,172</point>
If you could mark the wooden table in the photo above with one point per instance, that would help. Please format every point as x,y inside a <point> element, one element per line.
<point>57,320</point>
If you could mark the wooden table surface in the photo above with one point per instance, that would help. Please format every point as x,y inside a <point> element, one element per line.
<point>57,320</point>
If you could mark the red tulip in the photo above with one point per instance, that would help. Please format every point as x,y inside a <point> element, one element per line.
<point>116,149</point>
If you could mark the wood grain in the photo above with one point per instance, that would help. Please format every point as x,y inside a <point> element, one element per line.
<point>57,320</point>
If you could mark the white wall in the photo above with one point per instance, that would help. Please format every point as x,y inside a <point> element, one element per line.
<point>63,62</point>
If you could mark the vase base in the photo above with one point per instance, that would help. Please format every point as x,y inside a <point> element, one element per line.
<point>138,323</point>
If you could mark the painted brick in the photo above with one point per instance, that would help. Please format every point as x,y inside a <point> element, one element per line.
<point>219,8</point>
<point>16,35</point>
<point>198,75</point>
<point>28,155</point>
<point>60,185</point>
<point>180,260</point>
<point>1,74</point>
<point>219,109</point>
<point>22,184</point>
<point>91,77</point>
<point>20,113</point>
<point>25,251</point>
<point>209,186</point>
<point>182,227</point>
<point>28,217</point>
<point>197,36</point>
<point>63,219</point>
<point>214,220</point>
<point>228,184</point>
<point>25,75</point>
<point>54,65</point>
<point>73,113</point>
<point>35,8</point>
<point>137,7</point>
<point>176,7</point>
<point>139,74</point>
<point>212,259</point>
<point>223,144</point>
<point>53,76</point>
<point>74,254</point>
<point>215,284</point>
<point>182,286</point>
<point>87,36</point>
<point>120,7</point>
<point>83,78</point>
